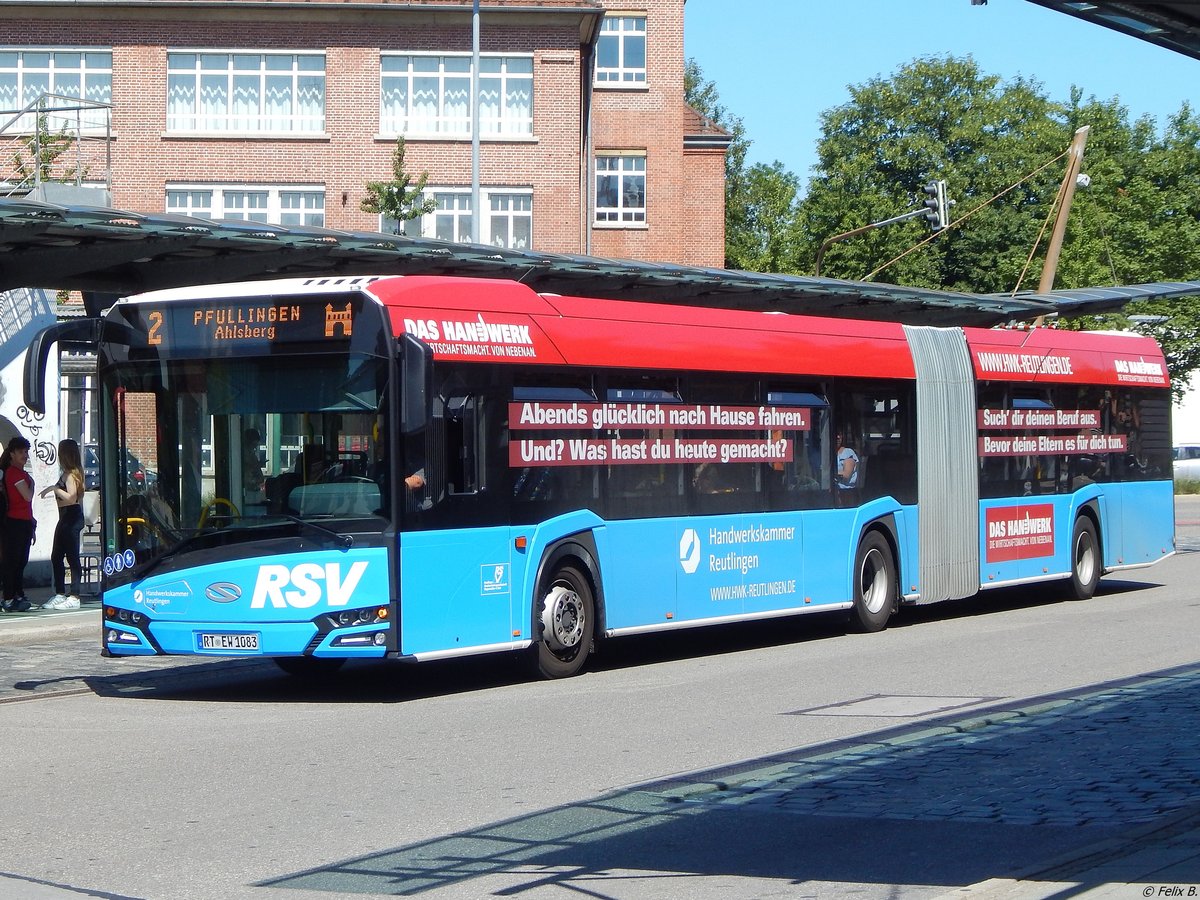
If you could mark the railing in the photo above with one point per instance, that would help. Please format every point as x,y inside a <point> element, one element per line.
<point>54,138</point>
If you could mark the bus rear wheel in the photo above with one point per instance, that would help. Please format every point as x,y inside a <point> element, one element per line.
<point>875,584</point>
<point>1085,559</point>
<point>567,621</point>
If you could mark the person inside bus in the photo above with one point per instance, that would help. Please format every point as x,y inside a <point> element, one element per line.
<point>415,483</point>
<point>310,463</point>
<point>845,472</point>
<point>714,478</point>
<point>253,477</point>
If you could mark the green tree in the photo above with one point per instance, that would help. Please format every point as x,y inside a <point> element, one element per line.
<point>1000,146</point>
<point>762,201</point>
<point>765,239</point>
<point>40,157</point>
<point>937,118</point>
<point>1138,221</point>
<point>399,199</point>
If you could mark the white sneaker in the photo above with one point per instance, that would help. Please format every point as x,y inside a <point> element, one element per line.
<point>54,602</point>
<point>69,603</point>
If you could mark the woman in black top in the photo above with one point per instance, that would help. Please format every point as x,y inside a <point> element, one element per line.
<point>68,493</point>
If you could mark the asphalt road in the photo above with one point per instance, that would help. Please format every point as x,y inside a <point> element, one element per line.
<point>968,741</point>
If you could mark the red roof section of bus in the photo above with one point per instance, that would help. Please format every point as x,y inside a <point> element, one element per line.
<point>1050,355</point>
<point>591,332</point>
<point>505,321</point>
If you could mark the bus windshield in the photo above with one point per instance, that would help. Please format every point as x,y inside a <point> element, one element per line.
<point>242,446</point>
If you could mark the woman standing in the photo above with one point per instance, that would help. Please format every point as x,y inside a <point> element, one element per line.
<point>18,527</point>
<point>68,493</point>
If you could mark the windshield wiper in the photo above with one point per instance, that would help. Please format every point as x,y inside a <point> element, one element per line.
<point>179,547</point>
<point>342,540</point>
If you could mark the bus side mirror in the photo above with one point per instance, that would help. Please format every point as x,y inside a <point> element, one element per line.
<point>81,332</point>
<point>416,373</point>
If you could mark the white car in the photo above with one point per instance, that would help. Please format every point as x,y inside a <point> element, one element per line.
<point>1187,462</point>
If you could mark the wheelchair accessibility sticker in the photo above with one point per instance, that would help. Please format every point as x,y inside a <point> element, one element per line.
<point>119,561</point>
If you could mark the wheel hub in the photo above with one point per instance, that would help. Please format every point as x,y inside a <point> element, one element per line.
<point>562,618</point>
<point>1085,559</point>
<point>873,581</point>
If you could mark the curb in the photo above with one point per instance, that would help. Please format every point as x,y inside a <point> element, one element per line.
<point>1072,868</point>
<point>49,626</point>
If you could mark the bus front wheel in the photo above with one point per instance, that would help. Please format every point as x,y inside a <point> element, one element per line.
<point>567,621</point>
<point>1085,559</point>
<point>875,584</point>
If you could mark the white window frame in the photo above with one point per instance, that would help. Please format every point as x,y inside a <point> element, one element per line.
<point>627,168</point>
<point>23,78</point>
<point>509,209</point>
<point>505,92</point>
<point>230,92</point>
<point>623,30</point>
<point>288,205</point>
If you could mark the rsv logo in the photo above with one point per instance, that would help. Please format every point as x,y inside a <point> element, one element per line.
<point>304,585</point>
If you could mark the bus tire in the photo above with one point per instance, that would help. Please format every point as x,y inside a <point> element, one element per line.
<point>875,584</point>
<point>309,666</point>
<point>565,623</point>
<point>1085,559</point>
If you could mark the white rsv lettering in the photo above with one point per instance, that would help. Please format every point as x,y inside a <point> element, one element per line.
<point>300,586</point>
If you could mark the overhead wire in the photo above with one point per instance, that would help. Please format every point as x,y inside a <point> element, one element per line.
<point>957,222</point>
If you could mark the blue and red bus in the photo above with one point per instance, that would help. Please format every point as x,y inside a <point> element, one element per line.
<point>426,467</point>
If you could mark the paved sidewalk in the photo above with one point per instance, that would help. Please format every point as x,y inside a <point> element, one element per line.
<point>1122,760</point>
<point>49,624</point>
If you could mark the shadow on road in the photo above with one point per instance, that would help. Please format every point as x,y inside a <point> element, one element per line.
<point>1009,793</point>
<point>250,680</point>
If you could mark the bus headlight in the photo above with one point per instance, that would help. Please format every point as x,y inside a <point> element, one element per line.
<point>372,615</point>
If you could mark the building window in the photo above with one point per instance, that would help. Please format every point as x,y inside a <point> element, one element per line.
<point>190,203</point>
<point>302,208</point>
<point>620,189</point>
<point>510,223</point>
<point>245,206</point>
<point>249,203</point>
<point>621,51</point>
<point>27,74</point>
<point>431,95</point>
<point>451,218</point>
<point>246,93</point>
<point>508,220</point>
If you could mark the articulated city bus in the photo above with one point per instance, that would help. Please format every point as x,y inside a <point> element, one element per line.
<point>426,467</point>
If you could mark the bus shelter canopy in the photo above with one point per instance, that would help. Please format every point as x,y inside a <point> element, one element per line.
<point>106,253</point>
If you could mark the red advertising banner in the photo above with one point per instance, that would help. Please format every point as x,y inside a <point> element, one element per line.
<point>587,451</point>
<point>1019,532</point>
<point>1141,371</point>
<point>1038,418</point>
<point>530,415</point>
<point>1052,445</point>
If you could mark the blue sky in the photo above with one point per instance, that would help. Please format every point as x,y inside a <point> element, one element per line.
<point>779,63</point>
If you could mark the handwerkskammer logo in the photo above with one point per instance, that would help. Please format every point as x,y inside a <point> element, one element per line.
<point>689,550</point>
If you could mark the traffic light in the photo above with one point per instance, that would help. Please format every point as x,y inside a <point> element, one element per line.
<point>938,215</point>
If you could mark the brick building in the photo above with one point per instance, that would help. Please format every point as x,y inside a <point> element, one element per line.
<point>283,111</point>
